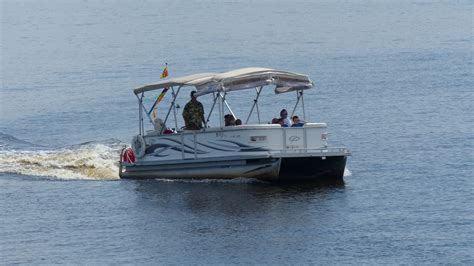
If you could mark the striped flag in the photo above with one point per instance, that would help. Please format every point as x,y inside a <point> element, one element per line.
<point>164,74</point>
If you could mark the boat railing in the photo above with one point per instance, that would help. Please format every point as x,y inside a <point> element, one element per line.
<point>232,128</point>
<point>327,150</point>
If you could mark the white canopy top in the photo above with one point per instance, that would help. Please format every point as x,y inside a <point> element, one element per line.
<point>191,80</point>
<point>239,79</point>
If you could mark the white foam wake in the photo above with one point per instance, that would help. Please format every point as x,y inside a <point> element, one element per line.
<point>94,162</point>
<point>347,172</point>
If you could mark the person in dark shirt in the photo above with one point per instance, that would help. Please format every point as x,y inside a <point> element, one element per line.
<point>297,122</point>
<point>229,120</point>
<point>193,113</point>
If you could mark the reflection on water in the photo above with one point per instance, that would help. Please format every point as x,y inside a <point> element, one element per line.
<point>228,198</point>
<point>206,219</point>
<point>216,213</point>
<point>208,216</point>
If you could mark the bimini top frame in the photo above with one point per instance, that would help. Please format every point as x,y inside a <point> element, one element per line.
<point>239,79</point>
<point>221,83</point>
<point>191,80</point>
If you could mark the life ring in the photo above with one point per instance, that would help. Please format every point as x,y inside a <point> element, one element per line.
<point>128,156</point>
<point>138,146</point>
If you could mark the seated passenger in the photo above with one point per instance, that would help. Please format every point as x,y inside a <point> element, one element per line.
<point>279,121</point>
<point>284,117</point>
<point>160,125</point>
<point>169,131</point>
<point>238,122</point>
<point>297,122</point>
<point>229,120</point>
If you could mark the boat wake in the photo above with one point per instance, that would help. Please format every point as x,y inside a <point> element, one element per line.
<point>347,172</point>
<point>87,161</point>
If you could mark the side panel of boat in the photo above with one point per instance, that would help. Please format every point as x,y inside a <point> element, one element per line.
<point>264,168</point>
<point>231,141</point>
<point>266,152</point>
<point>312,168</point>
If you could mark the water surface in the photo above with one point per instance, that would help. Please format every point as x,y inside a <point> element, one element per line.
<point>393,82</point>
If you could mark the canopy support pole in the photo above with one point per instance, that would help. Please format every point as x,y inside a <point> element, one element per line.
<point>221,109</point>
<point>255,104</point>
<point>144,109</point>
<point>174,110</point>
<point>141,131</point>
<point>215,96</point>
<point>302,104</point>
<point>149,117</point>
<point>227,105</point>
<point>139,114</point>
<point>171,107</point>
<point>299,95</point>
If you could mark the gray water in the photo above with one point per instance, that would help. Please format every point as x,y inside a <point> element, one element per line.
<point>393,81</point>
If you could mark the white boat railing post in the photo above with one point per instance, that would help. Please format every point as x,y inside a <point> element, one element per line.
<point>143,119</point>
<point>305,138</point>
<point>195,145</point>
<point>182,145</point>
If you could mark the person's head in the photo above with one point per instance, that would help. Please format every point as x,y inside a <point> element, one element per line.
<point>283,113</point>
<point>238,122</point>
<point>278,121</point>
<point>193,97</point>
<point>295,119</point>
<point>229,120</point>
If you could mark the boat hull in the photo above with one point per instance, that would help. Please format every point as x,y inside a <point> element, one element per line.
<point>312,168</point>
<point>283,169</point>
<point>265,152</point>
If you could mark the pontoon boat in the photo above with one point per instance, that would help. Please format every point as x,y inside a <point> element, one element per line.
<point>258,150</point>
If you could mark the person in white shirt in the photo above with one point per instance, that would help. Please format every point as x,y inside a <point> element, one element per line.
<point>284,117</point>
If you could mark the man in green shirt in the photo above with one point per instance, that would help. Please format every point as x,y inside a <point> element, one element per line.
<point>193,114</point>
